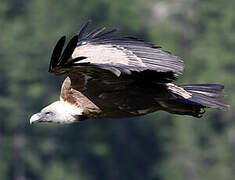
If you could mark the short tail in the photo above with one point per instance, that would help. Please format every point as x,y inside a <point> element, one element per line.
<point>198,97</point>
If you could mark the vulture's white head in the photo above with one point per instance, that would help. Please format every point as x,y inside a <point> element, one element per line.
<point>58,112</point>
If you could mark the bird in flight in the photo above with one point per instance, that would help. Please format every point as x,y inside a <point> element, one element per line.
<point>121,77</point>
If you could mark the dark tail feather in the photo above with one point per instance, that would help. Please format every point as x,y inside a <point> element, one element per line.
<point>203,96</point>
<point>207,95</point>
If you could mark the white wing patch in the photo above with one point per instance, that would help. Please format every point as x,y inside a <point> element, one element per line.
<point>107,54</point>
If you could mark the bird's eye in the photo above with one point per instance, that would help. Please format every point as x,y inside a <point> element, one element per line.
<point>48,113</point>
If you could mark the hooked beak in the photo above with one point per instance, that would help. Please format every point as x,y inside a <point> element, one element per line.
<point>35,118</point>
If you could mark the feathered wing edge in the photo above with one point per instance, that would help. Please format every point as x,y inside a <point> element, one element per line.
<point>154,58</point>
<point>58,60</point>
<point>83,29</point>
<point>95,33</point>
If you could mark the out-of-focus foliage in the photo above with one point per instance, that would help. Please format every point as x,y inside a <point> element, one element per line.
<point>157,146</point>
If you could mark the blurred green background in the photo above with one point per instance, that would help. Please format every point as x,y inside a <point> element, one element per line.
<point>157,146</point>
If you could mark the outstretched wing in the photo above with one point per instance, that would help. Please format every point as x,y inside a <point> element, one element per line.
<point>112,62</point>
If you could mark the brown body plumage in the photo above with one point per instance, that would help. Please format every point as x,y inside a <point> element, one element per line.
<point>119,77</point>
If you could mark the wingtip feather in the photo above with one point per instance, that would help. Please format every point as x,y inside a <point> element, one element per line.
<point>57,52</point>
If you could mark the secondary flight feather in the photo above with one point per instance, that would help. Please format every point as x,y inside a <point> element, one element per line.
<point>119,77</point>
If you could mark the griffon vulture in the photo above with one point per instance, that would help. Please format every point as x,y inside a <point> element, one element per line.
<point>121,77</point>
